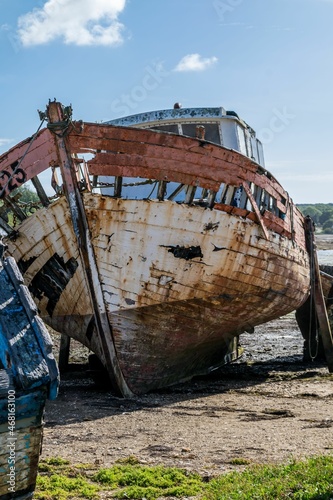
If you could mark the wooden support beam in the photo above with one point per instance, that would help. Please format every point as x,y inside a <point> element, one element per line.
<point>161,190</point>
<point>256,209</point>
<point>5,226</point>
<point>118,184</point>
<point>324,324</point>
<point>15,208</point>
<point>40,191</point>
<point>319,299</point>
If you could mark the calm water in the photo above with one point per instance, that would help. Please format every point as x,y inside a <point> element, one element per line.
<point>325,257</point>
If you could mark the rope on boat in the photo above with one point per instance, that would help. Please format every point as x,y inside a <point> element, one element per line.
<point>63,126</point>
<point>151,192</point>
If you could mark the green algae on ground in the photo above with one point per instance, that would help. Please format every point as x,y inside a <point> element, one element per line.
<point>310,479</point>
<point>138,481</point>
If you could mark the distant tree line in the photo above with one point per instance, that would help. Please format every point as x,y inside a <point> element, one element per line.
<point>321,214</point>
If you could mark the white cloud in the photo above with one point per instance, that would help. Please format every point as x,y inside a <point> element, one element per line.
<point>77,22</point>
<point>195,62</point>
<point>3,142</point>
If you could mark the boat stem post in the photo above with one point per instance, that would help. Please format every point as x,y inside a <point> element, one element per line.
<point>60,124</point>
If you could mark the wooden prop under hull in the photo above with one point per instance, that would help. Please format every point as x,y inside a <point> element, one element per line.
<point>314,317</point>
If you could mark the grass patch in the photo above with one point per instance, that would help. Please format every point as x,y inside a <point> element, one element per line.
<point>60,487</point>
<point>58,479</point>
<point>135,481</point>
<point>240,461</point>
<point>310,479</point>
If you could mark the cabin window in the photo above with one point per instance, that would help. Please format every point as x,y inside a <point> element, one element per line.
<point>260,153</point>
<point>189,129</point>
<point>166,128</point>
<point>241,140</point>
<point>248,144</point>
<point>229,136</point>
<point>254,149</point>
<point>212,132</point>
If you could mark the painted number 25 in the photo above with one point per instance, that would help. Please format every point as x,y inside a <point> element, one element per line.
<point>11,180</point>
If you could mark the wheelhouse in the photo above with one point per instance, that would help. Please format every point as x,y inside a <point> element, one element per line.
<point>212,124</point>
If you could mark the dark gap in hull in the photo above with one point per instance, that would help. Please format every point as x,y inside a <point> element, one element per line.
<point>186,253</point>
<point>52,279</point>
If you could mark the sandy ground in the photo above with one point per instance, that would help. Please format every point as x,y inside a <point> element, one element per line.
<point>269,406</point>
<point>324,241</point>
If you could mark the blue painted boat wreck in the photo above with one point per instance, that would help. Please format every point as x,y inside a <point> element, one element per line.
<point>28,376</point>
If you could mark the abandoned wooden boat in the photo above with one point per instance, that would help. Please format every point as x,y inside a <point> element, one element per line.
<point>167,239</point>
<point>28,376</point>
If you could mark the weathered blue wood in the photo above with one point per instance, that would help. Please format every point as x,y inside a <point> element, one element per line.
<point>6,382</point>
<point>25,344</point>
<point>28,375</point>
<point>27,405</point>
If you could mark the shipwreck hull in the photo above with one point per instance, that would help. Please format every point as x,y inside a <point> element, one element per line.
<point>175,299</point>
<point>163,246</point>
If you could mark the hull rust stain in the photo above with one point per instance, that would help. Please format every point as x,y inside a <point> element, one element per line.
<point>159,287</point>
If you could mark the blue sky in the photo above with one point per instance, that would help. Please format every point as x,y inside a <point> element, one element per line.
<point>270,61</point>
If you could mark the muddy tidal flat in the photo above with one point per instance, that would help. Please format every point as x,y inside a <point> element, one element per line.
<point>267,407</point>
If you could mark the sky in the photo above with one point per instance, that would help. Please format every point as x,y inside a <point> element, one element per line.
<point>270,61</point>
